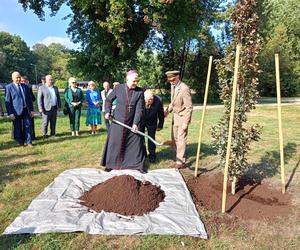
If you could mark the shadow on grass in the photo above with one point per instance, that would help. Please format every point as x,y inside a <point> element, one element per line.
<point>58,138</point>
<point>8,145</point>
<point>14,241</point>
<point>10,173</point>
<point>268,166</point>
<point>206,150</point>
<point>65,136</point>
<point>292,175</point>
<point>15,156</point>
<point>84,132</point>
<point>38,241</point>
<point>167,152</point>
<point>8,124</point>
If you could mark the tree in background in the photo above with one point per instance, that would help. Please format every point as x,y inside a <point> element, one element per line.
<point>281,30</point>
<point>189,52</point>
<point>52,59</point>
<point>60,58</point>
<point>149,68</point>
<point>43,60</point>
<point>15,55</point>
<point>197,64</point>
<point>112,31</point>
<point>244,31</point>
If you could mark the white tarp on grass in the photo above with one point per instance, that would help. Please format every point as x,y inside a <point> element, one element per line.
<point>57,208</point>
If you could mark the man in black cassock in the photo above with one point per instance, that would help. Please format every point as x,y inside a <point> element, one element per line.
<point>153,120</point>
<point>124,149</point>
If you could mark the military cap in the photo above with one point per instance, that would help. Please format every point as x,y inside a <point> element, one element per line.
<point>172,73</point>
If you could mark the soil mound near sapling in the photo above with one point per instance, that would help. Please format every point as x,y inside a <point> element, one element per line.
<point>124,195</point>
<point>251,201</point>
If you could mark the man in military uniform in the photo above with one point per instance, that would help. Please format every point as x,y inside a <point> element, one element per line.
<point>181,107</point>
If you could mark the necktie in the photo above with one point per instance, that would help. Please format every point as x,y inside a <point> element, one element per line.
<point>172,92</point>
<point>22,95</point>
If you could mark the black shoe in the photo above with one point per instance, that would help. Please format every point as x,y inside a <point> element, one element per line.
<point>142,171</point>
<point>107,169</point>
<point>152,159</point>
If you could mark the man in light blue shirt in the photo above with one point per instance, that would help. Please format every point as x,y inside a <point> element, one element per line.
<point>48,103</point>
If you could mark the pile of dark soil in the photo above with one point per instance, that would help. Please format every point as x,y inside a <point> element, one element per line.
<point>251,201</point>
<point>123,195</point>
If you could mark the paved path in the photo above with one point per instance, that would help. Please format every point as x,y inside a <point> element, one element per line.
<point>198,107</point>
<point>286,101</point>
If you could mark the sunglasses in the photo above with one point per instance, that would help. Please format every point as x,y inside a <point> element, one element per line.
<point>172,79</point>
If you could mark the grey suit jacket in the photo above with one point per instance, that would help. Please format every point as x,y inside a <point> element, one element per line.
<point>44,98</point>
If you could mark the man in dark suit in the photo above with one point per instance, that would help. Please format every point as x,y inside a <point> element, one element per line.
<point>20,109</point>
<point>104,93</point>
<point>153,120</point>
<point>24,80</point>
<point>1,109</point>
<point>48,103</point>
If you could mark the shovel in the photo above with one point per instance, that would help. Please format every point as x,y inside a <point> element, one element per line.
<point>137,132</point>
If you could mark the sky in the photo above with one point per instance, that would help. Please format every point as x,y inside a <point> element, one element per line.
<point>30,28</point>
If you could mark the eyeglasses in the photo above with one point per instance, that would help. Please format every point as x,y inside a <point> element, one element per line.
<point>172,79</point>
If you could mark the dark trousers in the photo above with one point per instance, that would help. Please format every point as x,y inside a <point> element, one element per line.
<point>1,109</point>
<point>22,127</point>
<point>151,130</point>
<point>107,124</point>
<point>74,116</point>
<point>32,129</point>
<point>49,116</point>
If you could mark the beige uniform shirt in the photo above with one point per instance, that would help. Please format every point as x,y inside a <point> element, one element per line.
<point>181,104</point>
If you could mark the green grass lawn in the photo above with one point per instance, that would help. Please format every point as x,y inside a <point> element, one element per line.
<point>25,172</point>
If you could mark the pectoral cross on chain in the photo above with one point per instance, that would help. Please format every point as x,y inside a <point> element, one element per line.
<point>129,108</point>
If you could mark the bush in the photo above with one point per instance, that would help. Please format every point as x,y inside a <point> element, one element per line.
<point>61,84</point>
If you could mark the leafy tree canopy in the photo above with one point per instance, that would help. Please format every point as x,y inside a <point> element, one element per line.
<point>111,31</point>
<point>279,25</point>
<point>52,59</point>
<point>15,55</point>
<point>244,31</point>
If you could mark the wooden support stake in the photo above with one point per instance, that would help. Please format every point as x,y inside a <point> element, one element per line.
<point>203,114</point>
<point>280,122</point>
<point>233,97</point>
